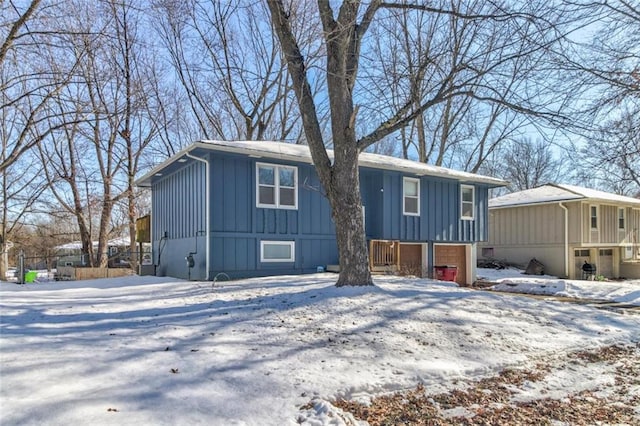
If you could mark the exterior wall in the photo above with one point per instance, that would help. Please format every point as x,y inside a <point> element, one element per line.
<point>541,225</point>
<point>517,234</point>
<point>178,222</point>
<point>551,256</point>
<point>576,222</point>
<point>440,215</point>
<point>630,270</point>
<point>238,226</point>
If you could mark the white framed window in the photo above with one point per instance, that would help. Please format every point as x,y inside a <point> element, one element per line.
<point>277,251</point>
<point>276,186</point>
<point>594,216</point>
<point>411,196</point>
<point>621,219</point>
<point>467,201</point>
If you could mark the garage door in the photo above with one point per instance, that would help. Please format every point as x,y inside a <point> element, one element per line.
<point>451,255</point>
<point>580,256</point>
<point>411,259</point>
<point>605,263</point>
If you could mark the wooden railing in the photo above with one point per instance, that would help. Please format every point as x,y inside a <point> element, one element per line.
<point>384,254</point>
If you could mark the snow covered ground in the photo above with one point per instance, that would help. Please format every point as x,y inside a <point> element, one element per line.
<point>513,280</point>
<point>148,350</point>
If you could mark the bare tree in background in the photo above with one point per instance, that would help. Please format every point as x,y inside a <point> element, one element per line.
<point>229,63</point>
<point>463,131</point>
<point>111,109</point>
<point>31,78</point>
<point>32,74</point>
<point>345,33</point>
<point>526,164</point>
<point>605,69</point>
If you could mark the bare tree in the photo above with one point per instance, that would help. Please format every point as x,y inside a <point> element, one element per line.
<point>526,164</point>
<point>606,70</point>
<point>30,81</point>
<point>31,74</point>
<point>344,37</point>
<point>110,108</point>
<point>230,67</point>
<point>474,54</point>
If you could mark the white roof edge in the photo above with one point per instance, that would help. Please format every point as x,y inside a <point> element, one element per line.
<point>558,193</point>
<point>365,160</point>
<point>539,203</point>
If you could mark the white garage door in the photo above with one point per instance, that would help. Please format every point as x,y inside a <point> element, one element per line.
<point>605,263</point>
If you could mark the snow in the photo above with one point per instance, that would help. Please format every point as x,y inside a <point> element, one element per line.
<point>77,245</point>
<point>276,350</point>
<point>515,281</point>
<point>294,152</point>
<point>550,193</point>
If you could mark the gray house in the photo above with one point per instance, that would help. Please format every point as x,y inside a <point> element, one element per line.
<point>256,208</point>
<point>564,226</point>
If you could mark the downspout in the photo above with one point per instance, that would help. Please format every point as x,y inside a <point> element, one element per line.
<point>566,239</point>
<point>206,212</point>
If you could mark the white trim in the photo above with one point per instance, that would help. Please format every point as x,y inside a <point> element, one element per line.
<point>291,244</point>
<point>597,207</point>
<point>301,154</point>
<point>566,239</point>
<point>624,219</point>
<point>404,195</point>
<point>276,186</point>
<point>473,202</point>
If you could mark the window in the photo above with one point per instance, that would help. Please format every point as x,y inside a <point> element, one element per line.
<point>277,251</point>
<point>487,251</point>
<point>467,195</point>
<point>277,186</point>
<point>581,253</point>
<point>411,199</point>
<point>621,217</point>
<point>594,217</point>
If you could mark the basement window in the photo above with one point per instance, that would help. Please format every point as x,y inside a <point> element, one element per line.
<point>277,251</point>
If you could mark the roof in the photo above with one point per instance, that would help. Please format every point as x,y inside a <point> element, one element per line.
<point>77,245</point>
<point>301,153</point>
<point>555,193</point>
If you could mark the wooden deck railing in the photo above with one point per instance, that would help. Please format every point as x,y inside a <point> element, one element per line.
<point>384,253</point>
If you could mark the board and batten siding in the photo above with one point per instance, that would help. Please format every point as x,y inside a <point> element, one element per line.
<point>238,225</point>
<point>440,211</point>
<point>542,224</point>
<point>178,221</point>
<point>607,232</point>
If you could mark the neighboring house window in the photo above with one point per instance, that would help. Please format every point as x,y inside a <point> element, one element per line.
<point>487,251</point>
<point>277,186</point>
<point>621,219</point>
<point>467,195</point>
<point>277,251</point>
<point>411,199</point>
<point>581,253</point>
<point>594,217</point>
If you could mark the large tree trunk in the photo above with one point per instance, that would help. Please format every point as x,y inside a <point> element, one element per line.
<point>346,208</point>
<point>340,179</point>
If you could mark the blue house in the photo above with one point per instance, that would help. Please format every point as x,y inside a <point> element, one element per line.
<point>256,208</point>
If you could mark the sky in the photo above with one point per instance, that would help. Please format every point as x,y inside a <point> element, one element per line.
<point>153,350</point>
